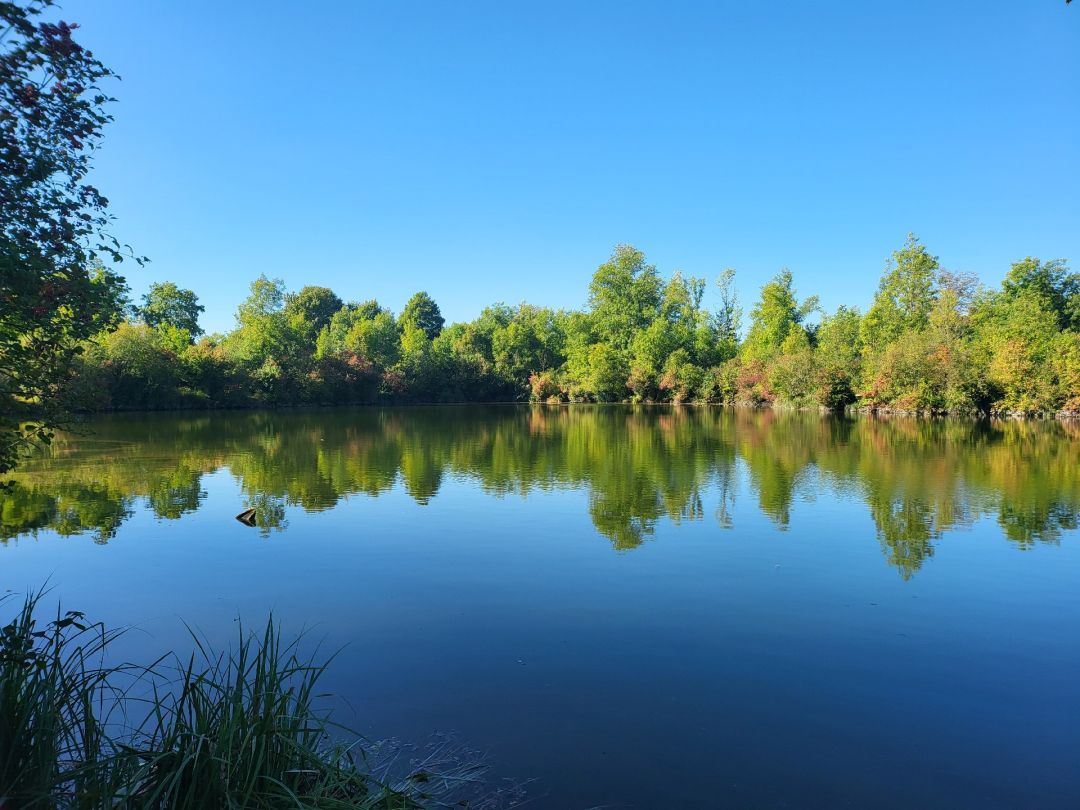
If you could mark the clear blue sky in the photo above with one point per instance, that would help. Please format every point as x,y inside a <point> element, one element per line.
<point>497,151</point>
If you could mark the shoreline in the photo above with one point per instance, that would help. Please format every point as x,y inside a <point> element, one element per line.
<point>849,410</point>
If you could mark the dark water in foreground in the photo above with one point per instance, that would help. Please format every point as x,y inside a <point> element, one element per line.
<point>640,607</point>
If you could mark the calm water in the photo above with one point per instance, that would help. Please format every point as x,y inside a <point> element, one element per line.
<point>639,607</point>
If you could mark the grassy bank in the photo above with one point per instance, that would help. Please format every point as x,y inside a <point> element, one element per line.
<point>239,728</point>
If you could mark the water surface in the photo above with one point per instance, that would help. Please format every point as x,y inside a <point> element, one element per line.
<point>639,607</point>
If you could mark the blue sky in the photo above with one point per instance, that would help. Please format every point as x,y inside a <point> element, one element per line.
<point>498,151</point>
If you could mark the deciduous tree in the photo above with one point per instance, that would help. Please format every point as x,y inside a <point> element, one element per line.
<point>422,312</point>
<point>54,291</point>
<point>165,303</point>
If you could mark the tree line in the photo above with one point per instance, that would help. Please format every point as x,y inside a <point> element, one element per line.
<point>930,341</point>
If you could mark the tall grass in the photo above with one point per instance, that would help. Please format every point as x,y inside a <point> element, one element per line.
<point>54,695</point>
<point>233,729</point>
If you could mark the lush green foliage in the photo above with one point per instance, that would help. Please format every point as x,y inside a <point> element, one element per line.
<point>168,305</point>
<point>241,728</point>
<point>54,292</point>
<point>931,341</point>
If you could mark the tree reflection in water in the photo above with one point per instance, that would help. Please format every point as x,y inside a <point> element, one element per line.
<point>918,478</point>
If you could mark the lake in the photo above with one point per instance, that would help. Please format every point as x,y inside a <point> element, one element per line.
<point>647,607</point>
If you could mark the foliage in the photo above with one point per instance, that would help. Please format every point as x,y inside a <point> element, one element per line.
<point>776,316</point>
<point>165,304</point>
<point>727,320</point>
<point>1051,282</point>
<point>624,297</point>
<point>932,341</point>
<point>54,291</point>
<point>838,358</point>
<point>423,313</point>
<point>376,340</point>
<point>905,296</point>
<point>1015,333</point>
<point>314,306</point>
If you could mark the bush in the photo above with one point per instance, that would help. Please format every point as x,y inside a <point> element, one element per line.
<point>752,384</point>
<point>793,378</point>
<point>682,380</point>
<point>544,386</point>
<point>1066,367</point>
<point>834,389</point>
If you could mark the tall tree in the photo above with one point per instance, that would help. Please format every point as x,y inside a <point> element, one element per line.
<point>1052,282</point>
<point>727,320</point>
<point>267,297</point>
<point>332,337</point>
<point>54,291</point>
<point>906,295</point>
<point>422,312</point>
<point>315,306</point>
<point>624,296</point>
<point>165,303</point>
<point>839,358</point>
<point>375,339</point>
<point>777,315</point>
<point>263,332</point>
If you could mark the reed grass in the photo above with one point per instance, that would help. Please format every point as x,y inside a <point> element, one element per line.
<point>240,728</point>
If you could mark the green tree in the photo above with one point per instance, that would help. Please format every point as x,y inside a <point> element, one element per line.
<point>838,357</point>
<point>369,309</point>
<point>577,326</point>
<point>682,379</point>
<point>1015,333</point>
<point>315,306</point>
<point>950,334</point>
<point>331,339</point>
<point>935,341</point>
<point>375,339</point>
<point>530,341</point>
<point>165,303</point>
<point>1065,362</point>
<point>262,329</point>
<point>649,352</point>
<point>266,299</point>
<point>1050,281</point>
<point>607,372</point>
<point>727,320</point>
<point>54,292</point>
<point>273,347</point>
<point>663,353</point>
<point>681,300</point>
<point>624,296</point>
<point>792,374</point>
<point>777,314</point>
<point>422,312</point>
<point>144,370</point>
<point>906,294</point>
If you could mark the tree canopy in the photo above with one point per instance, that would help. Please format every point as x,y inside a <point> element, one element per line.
<point>422,312</point>
<point>167,304</point>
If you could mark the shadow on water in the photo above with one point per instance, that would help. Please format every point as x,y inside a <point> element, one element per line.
<point>917,478</point>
